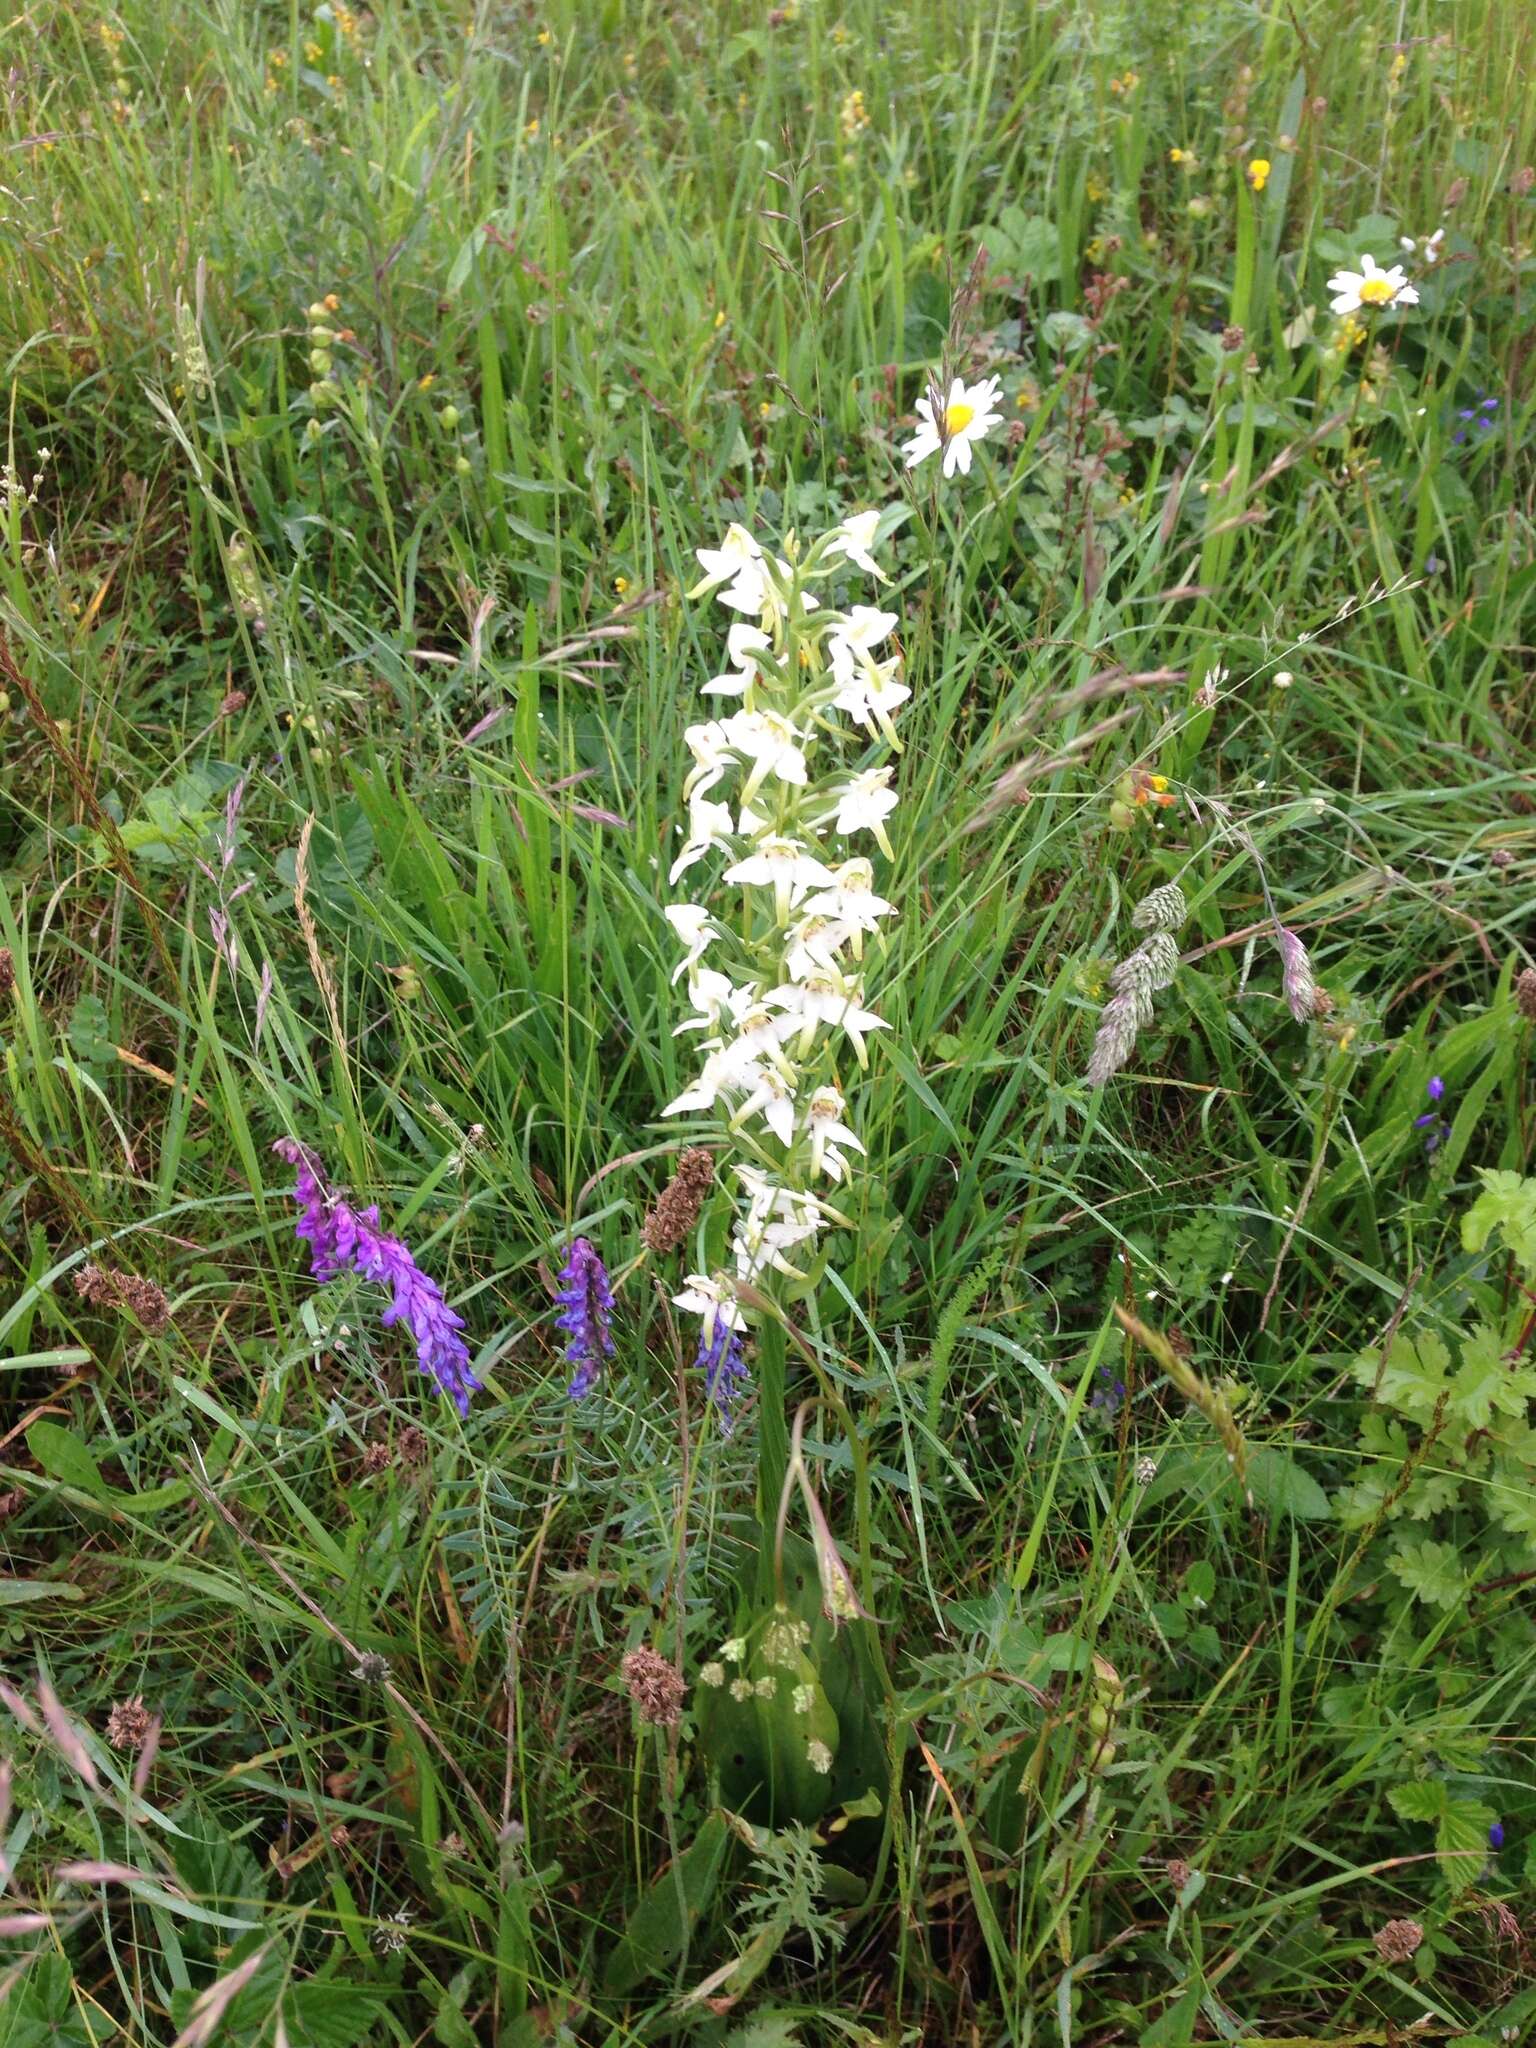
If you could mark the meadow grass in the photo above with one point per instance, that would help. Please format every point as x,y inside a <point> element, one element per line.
<point>390,369</point>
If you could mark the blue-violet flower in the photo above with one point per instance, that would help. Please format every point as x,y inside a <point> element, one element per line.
<point>342,1238</point>
<point>724,1366</point>
<point>586,1315</point>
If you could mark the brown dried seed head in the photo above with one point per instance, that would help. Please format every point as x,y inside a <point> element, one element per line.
<point>128,1723</point>
<point>378,1457</point>
<point>1396,1942</point>
<point>1525,992</point>
<point>1232,339</point>
<point>1179,1873</point>
<point>7,971</point>
<point>677,1207</point>
<point>654,1687</point>
<point>125,1292</point>
<point>235,701</point>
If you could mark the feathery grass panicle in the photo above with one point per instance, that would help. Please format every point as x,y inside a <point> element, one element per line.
<point>1134,981</point>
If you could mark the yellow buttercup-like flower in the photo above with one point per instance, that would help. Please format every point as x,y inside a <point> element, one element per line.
<point>1258,173</point>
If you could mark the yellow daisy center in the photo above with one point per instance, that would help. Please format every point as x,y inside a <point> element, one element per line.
<point>1377,291</point>
<point>958,417</point>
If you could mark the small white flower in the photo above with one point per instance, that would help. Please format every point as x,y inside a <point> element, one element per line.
<point>737,563</point>
<point>813,946</point>
<point>803,1698</point>
<point>1283,679</point>
<point>851,645</point>
<point>713,996</point>
<point>709,825</point>
<point>1429,248</point>
<point>712,1675</point>
<point>851,899</point>
<point>854,538</point>
<point>777,1220</point>
<point>695,927</point>
<point>741,1689</point>
<point>771,744</point>
<point>734,1650</point>
<point>710,747</point>
<point>743,643</point>
<point>786,866</point>
<point>818,1756</point>
<point>826,999</point>
<point>864,804</point>
<point>968,415</point>
<point>764,1688</point>
<point>774,1100</point>
<point>720,564</point>
<point>1370,287</point>
<point>714,1301</point>
<point>824,1121</point>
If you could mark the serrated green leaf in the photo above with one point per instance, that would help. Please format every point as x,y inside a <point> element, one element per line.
<point>1485,1383</point>
<point>1431,1571</point>
<point>1507,1205</point>
<point>1415,1373</point>
<point>1418,1799</point>
<point>1462,1839</point>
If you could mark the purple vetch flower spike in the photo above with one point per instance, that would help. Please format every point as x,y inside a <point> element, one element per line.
<point>723,1363</point>
<point>586,1315</point>
<point>341,1238</point>
<point>1496,1835</point>
<point>1436,1131</point>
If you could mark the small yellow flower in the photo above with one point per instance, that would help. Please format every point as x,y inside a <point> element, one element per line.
<point>1093,249</point>
<point>1095,191</point>
<point>277,59</point>
<point>425,383</point>
<point>544,39</point>
<point>1258,173</point>
<point>840,35</point>
<point>532,128</point>
<point>313,53</point>
<point>720,318</point>
<point>1181,156</point>
<point>764,408</point>
<point>620,585</point>
<point>853,115</point>
<point>742,102</point>
<point>1027,397</point>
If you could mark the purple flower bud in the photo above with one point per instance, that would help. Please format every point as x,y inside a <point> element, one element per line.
<point>586,1315</point>
<point>1434,1088</point>
<point>341,1237</point>
<point>1496,1835</point>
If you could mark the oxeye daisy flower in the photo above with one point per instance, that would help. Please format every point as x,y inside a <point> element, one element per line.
<point>1370,288</point>
<point>955,425</point>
